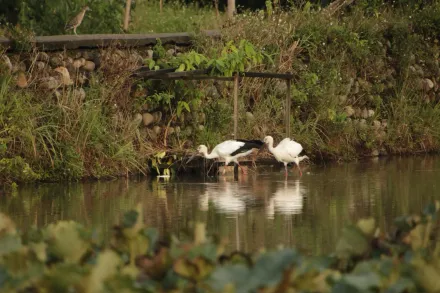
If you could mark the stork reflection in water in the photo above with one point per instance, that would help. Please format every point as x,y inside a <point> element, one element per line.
<point>227,198</point>
<point>287,200</point>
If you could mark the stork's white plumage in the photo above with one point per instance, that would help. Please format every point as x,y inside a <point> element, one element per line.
<point>286,151</point>
<point>230,150</point>
<point>227,197</point>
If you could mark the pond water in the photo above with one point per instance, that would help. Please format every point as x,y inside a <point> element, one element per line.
<point>261,209</point>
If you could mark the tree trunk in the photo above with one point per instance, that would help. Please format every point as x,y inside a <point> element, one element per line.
<point>231,8</point>
<point>127,14</point>
<point>161,6</point>
<point>216,8</point>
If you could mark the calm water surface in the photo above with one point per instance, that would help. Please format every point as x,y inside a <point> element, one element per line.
<point>259,210</point>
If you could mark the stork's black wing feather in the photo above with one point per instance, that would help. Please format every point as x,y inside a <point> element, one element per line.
<point>248,145</point>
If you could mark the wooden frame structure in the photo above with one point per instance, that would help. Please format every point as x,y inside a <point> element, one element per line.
<point>95,41</point>
<point>203,74</point>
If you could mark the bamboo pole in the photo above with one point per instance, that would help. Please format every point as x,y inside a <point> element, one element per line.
<point>217,13</point>
<point>235,119</point>
<point>235,105</point>
<point>231,8</point>
<point>127,14</point>
<point>288,106</point>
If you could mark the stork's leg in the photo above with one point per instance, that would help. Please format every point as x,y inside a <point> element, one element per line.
<point>300,172</point>
<point>224,169</point>
<point>254,157</point>
<point>74,30</point>
<point>241,168</point>
<point>285,168</point>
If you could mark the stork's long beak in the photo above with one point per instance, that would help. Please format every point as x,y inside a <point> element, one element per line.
<point>190,159</point>
<point>261,149</point>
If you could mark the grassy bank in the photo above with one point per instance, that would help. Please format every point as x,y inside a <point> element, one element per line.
<point>365,84</point>
<point>175,17</point>
<point>65,256</point>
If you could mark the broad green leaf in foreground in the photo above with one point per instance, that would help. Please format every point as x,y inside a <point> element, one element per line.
<point>106,266</point>
<point>268,271</point>
<point>352,242</point>
<point>65,241</point>
<point>10,243</point>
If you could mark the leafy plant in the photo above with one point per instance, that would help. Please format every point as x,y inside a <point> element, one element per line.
<point>66,256</point>
<point>190,61</point>
<point>181,105</point>
<point>233,59</point>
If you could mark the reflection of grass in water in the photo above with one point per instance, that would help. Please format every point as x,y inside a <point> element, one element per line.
<point>335,195</point>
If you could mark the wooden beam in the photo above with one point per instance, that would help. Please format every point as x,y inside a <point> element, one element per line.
<point>221,78</point>
<point>69,42</point>
<point>146,72</point>
<point>288,106</point>
<point>199,74</point>
<point>185,73</point>
<point>266,75</point>
<point>196,162</point>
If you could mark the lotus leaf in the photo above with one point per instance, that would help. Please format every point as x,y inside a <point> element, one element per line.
<point>352,243</point>
<point>367,226</point>
<point>9,243</point>
<point>65,242</point>
<point>65,258</point>
<point>106,267</point>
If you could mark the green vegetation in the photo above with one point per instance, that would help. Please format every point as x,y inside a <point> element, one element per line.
<point>65,256</point>
<point>360,81</point>
<point>49,17</point>
<point>366,83</point>
<point>175,17</point>
<point>97,130</point>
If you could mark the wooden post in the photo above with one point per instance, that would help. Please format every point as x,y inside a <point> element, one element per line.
<point>127,14</point>
<point>231,8</point>
<point>217,13</point>
<point>235,105</point>
<point>288,106</point>
<point>235,118</point>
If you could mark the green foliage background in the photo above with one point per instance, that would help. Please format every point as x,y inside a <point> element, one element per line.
<point>48,17</point>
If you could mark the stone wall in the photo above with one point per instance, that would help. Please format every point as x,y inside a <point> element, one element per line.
<point>73,68</point>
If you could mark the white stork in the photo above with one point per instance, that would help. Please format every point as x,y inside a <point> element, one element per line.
<point>230,150</point>
<point>286,151</point>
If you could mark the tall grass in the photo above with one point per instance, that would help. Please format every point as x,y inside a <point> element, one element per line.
<point>175,17</point>
<point>63,136</point>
